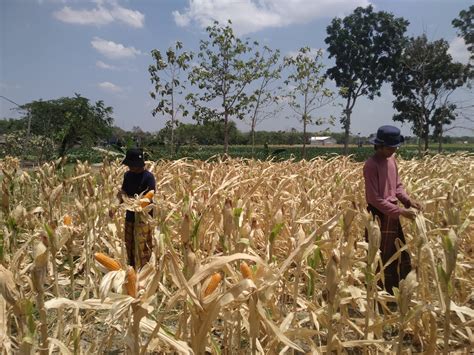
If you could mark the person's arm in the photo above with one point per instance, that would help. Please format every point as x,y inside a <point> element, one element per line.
<point>150,183</point>
<point>373,197</point>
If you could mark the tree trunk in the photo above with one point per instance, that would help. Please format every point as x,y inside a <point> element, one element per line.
<point>172,119</point>
<point>440,139</point>
<point>303,156</point>
<point>226,132</point>
<point>426,137</point>
<point>347,124</point>
<point>65,144</point>
<point>172,137</point>
<point>253,139</point>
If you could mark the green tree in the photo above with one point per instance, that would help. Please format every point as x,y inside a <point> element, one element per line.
<point>10,125</point>
<point>423,85</point>
<point>465,26</point>
<point>225,70</point>
<point>69,119</point>
<point>165,75</point>
<point>264,101</point>
<point>366,46</point>
<point>307,93</point>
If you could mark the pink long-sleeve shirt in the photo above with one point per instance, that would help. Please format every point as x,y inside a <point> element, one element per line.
<point>383,186</point>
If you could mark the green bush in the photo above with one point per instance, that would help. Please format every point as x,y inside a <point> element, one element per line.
<point>33,148</point>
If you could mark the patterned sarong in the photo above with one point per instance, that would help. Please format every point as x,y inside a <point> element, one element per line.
<point>138,241</point>
<point>391,229</point>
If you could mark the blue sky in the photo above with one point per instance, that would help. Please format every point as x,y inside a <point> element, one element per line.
<point>101,49</point>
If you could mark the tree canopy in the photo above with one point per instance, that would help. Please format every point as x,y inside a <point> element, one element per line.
<point>465,26</point>
<point>307,92</point>
<point>366,46</point>
<point>226,67</point>
<point>165,75</point>
<point>69,119</point>
<point>264,102</point>
<point>423,84</point>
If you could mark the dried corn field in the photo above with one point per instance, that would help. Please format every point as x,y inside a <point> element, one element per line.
<point>248,257</point>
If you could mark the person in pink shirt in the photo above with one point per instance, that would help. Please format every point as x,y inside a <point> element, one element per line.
<point>383,191</point>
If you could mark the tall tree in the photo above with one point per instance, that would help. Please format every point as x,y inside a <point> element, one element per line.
<point>264,102</point>
<point>165,75</point>
<point>307,92</point>
<point>465,26</point>
<point>366,46</point>
<point>423,85</point>
<point>70,119</point>
<point>225,70</point>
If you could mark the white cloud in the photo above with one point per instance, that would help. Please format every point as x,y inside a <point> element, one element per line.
<point>458,50</point>
<point>129,17</point>
<point>253,15</point>
<point>104,13</point>
<point>97,16</point>
<point>109,87</point>
<point>113,50</point>
<point>102,65</point>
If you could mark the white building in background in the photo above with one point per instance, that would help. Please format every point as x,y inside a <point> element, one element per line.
<point>322,140</point>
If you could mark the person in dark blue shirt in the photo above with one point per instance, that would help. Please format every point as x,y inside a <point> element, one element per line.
<point>138,236</point>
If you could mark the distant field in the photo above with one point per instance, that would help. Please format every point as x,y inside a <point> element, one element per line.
<point>277,152</point>
<point>292,152</point>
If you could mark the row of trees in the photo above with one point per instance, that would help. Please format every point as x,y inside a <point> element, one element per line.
<point>61,123</point>
<point>238,79</point>
<point>212,133</point>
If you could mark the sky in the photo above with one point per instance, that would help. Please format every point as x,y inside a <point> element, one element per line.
<point>101,49</point>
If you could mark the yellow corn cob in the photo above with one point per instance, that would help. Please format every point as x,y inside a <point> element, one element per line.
<point>212,285</point>
<point>67,220</point>
<point>106,261</point>
<point>246,270</point>
<point>131,282</point>
<point>149,195</point>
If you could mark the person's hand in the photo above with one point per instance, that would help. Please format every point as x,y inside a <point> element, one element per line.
<point>408,213</point>
<point>418,205</point>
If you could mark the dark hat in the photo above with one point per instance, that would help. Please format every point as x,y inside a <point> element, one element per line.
<point>134,158</point>
<point>388,136</point>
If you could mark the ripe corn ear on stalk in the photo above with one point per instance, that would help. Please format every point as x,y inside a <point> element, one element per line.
<point>212,285</point>
<point>246,270</point>
<point>67,220</point>
<point>131,284</point>
<point>107,262</point>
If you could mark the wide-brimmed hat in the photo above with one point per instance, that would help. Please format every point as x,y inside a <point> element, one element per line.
<point>388,136</point>
<point>134,158</point>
